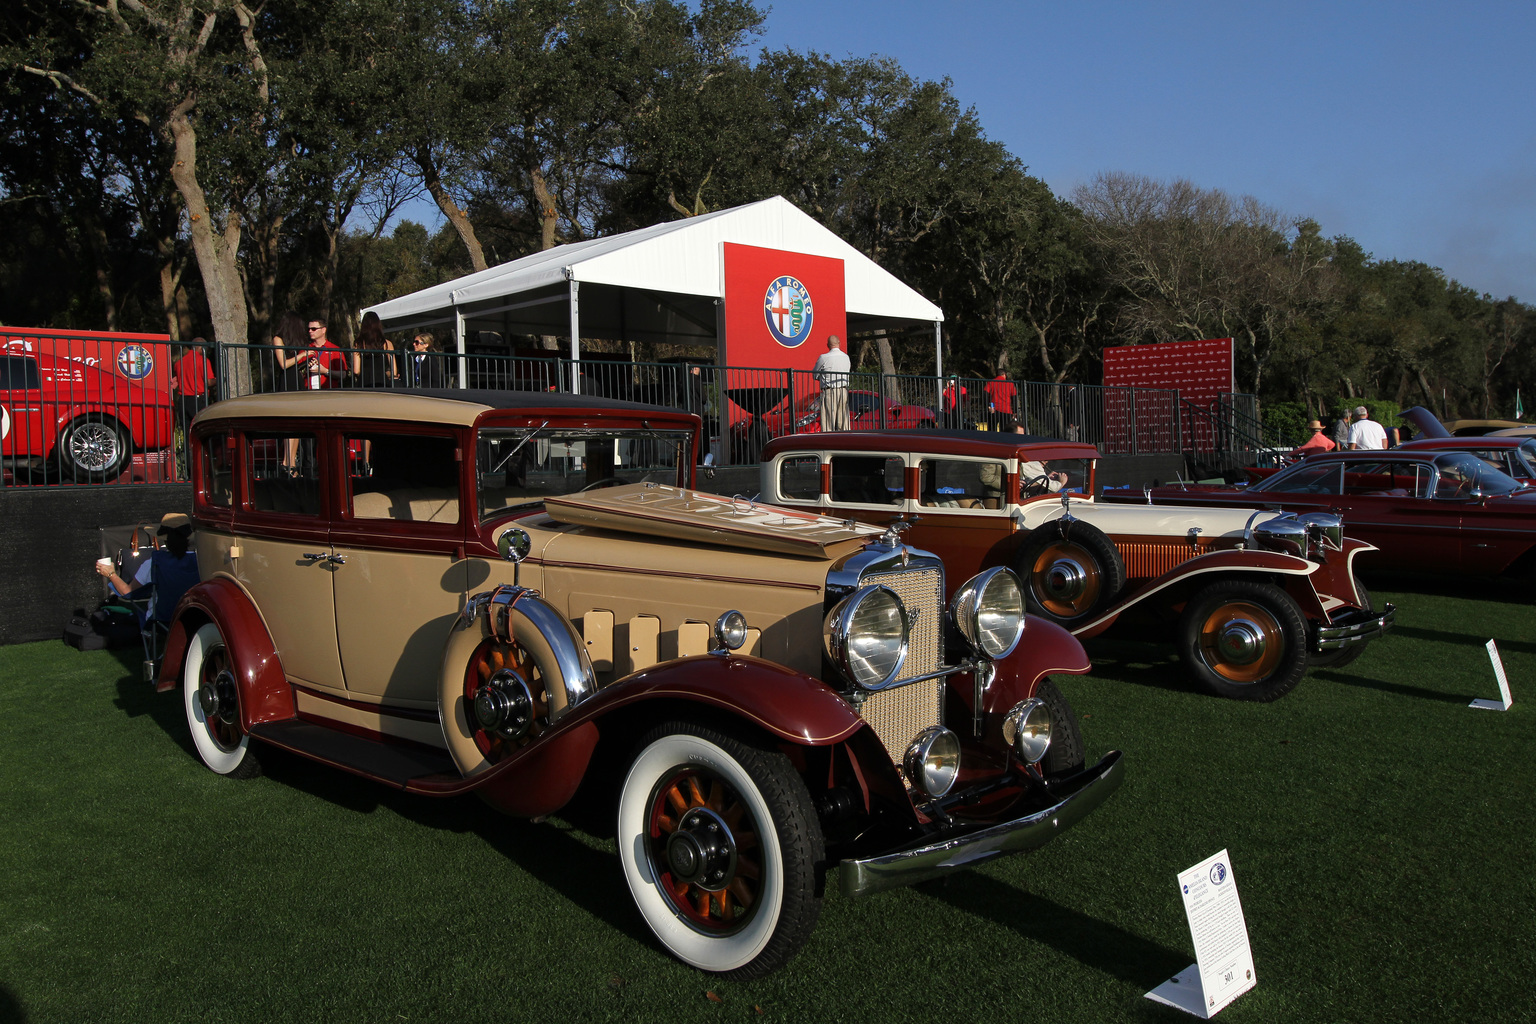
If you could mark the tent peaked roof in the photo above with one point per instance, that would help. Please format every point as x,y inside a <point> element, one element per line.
<point>680,257</point>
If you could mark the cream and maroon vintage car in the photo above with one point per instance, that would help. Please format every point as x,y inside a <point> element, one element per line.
<point>519,595</point>
<point>1249,598</point>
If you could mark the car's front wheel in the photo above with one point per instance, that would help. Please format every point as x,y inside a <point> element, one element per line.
<point>721,847</point>
<point>211,696</point>
<point>92,448</point>
<point>1245,640</point>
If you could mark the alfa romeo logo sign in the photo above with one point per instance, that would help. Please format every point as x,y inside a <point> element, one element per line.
<point>787,311</point>
<point>135,362</point>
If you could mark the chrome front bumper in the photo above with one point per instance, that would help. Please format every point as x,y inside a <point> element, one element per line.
<point>1083,793</point>
<point>1354,628</point>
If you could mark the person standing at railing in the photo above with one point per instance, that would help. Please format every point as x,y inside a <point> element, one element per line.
<point>190,377</point>
<point>373,361</point>
<point>423,368</point>
<point>1000,396</point>
<point>287,345</point>
<point>322,364</point>
<point>954,402</point>
<point>1366,432</point>
<point>831,372</point>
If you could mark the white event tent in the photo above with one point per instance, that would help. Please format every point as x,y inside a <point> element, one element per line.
<point>660,283</point>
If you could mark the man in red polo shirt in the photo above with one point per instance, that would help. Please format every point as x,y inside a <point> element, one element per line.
<point>323,364</point>
<point>1000,396</point>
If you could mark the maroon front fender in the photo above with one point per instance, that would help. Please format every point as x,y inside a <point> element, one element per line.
<point>265,695</point>
<point>779,700</point>
<point>1047,649</point>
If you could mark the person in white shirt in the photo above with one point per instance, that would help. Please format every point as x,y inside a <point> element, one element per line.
<point>1366,432</point>
<point>831,372</point>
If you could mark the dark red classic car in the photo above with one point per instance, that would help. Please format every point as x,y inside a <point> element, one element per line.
<point>1516,456</point>
<point>1248,598</point>
<point>1423,509</point>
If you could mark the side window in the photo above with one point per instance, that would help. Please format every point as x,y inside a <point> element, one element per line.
<point>282,473</point>
<point>19,372</point>
<point>408,477</point>
<point>868,479</point>
<point>1323,479</point>
<point>952,483</point>
<point>800,478</point>
<point>217,477</point>
<point>1387,479</point>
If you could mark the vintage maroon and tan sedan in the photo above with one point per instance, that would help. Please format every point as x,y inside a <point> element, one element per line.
<point>1249,598</point>
<point>1422,509</point>
<point>521,596</point>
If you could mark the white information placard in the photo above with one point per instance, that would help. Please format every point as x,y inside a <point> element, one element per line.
<point>1223,968</point>
<point>1498,672</point>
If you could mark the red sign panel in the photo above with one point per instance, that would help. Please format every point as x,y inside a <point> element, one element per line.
<point>1198,370</point>
<point>780,307</point>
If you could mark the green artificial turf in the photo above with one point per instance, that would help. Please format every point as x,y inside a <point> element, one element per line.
<point>1379,830</point>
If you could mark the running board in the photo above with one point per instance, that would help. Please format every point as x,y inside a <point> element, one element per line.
<point>403,766</point>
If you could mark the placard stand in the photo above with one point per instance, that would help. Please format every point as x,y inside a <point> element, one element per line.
<point>1223,967</point>
<point>1498,671</point>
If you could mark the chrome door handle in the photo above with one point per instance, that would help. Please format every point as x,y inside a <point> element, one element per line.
<point>316,556</point>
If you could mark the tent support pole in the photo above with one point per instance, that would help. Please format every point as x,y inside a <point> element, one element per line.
<point>575,336</point>
<point>458,335</point>
<point>938,358</point>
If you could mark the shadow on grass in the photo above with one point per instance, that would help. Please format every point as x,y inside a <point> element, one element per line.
<point>11,1009</point>
<point>136,698</point>
<point>1462,639</point>
<point>1515,591</point>
<point>1386,686</point>
<point>1089,941</point>
<point>549,851</point>
<point>1145,664</point>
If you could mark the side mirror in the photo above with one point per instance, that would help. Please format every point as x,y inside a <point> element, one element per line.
<point>514,545</point>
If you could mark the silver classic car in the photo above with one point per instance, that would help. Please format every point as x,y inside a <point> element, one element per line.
<point>522,595</point>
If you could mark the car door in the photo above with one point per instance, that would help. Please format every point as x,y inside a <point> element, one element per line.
<point>285,562</point>
<point>399,570</point>
<point>1391,503</point>
<point>21,407</point>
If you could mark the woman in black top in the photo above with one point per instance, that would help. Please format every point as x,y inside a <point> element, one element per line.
<point>374,361</point>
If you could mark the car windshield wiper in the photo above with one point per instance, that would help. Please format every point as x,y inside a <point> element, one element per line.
<point>519,446</point>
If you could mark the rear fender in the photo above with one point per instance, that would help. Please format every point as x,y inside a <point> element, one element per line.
<point>265,695</point>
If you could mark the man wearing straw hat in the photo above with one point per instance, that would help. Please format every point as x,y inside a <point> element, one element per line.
<point>1318,442</point>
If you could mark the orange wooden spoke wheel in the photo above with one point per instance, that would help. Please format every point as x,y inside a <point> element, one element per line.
<point>703,843</point>
<point>497,676</point>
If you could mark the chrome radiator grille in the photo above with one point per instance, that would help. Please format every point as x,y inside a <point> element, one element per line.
<point>901,712</point>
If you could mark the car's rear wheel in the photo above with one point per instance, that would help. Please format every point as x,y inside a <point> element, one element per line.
<point>1071,574</point>
<point>92,447</point>
<point>211,695</point>
<point>1245,640</point>
<point>721,846</point>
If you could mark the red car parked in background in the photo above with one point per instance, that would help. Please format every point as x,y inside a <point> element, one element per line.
<point>76,420</point>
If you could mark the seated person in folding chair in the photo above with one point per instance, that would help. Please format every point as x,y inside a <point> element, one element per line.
<point>165,576</point>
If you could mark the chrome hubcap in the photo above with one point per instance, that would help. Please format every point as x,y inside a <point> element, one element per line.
<point>1241,642</point>
<point>93,446</point>
<point>504,705</point>
<point>702,851</point>
<point>1065,580</point>
<point>217,697</point>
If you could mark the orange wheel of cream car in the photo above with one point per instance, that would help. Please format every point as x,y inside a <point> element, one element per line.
<point>1070,575</point>
<point>720,845</point>
<point>1245,640</point>
<point>498,692</point>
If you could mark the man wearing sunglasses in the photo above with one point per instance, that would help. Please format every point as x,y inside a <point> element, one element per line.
<point>322,364</point>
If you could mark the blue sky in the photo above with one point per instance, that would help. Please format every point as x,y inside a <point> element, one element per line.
<point>1410,127</point>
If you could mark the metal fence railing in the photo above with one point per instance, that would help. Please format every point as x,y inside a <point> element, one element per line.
<point>80,408</point>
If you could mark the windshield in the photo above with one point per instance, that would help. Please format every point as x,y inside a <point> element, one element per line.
<point>1463,475</point>
<point>516,469</point>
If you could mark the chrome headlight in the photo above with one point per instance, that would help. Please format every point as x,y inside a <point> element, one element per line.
<point>1284,534</point>
<point>865,635</point>
<point>989,612</point>
<point>933,760</point>
<point>1027,729</point>
<point>1325,530</point>
<point>730,631</point>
